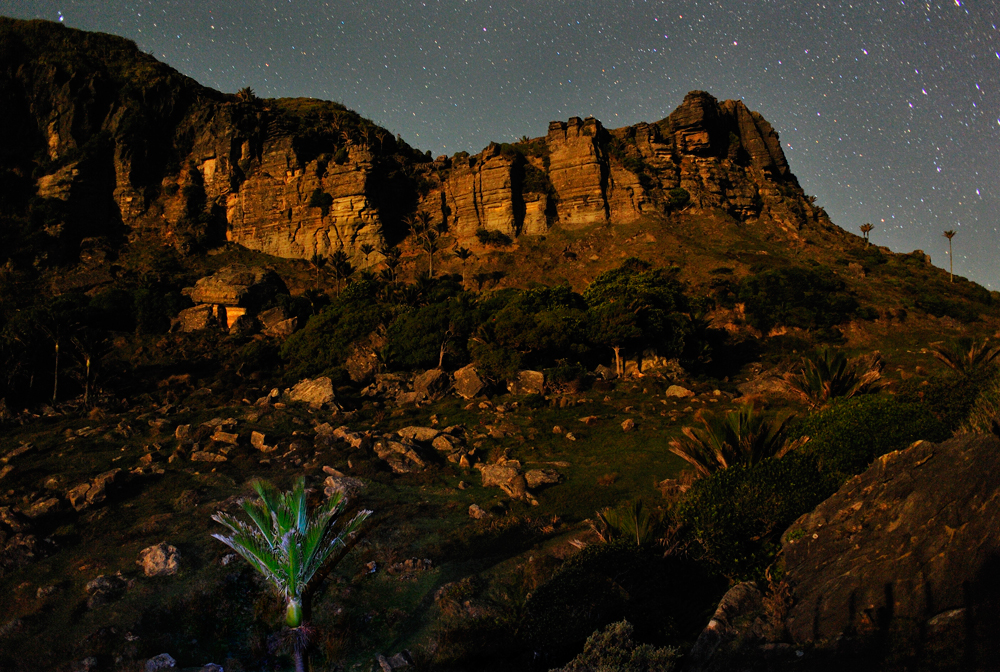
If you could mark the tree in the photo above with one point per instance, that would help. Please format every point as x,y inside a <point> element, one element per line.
<point>866,229</point>
<point>292,548</point>
<point>366,249</point>
<point>463,254</point>
<point>951,264</point>
<point>428,235</point>
<point>318,261</point>
<point>342,267</point>
<point>391,258</point>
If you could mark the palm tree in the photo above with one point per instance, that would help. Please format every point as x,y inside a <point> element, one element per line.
<point>318,261</point>
<point>366,249</point>
<point>741,437</point>
<point>427,235</point>
<point>342,267</point>
<point>866,229</point>
<point>951,264</point>
<point>463,254</point>
<point>291,548</point>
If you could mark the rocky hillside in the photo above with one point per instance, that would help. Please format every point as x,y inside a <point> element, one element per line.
<point>114,145</point>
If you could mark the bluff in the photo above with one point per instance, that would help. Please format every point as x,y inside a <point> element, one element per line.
<point>102,142</point>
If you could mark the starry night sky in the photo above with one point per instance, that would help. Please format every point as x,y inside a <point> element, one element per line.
<point>888,111</point>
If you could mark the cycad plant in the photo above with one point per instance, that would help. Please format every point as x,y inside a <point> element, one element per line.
<point>832,375</point>
<point>966,356</point>
<point>289,545</point>
<point>630,521</point>
<point>740,437</point>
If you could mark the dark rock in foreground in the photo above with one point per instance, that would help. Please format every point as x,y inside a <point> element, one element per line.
<point>909,544</point>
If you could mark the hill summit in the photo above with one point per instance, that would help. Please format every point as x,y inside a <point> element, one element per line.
<point>116,144</point>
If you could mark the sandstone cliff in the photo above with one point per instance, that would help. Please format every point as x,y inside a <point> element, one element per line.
<point>113,144</point>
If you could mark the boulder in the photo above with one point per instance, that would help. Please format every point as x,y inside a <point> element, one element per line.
<point>400,661</point>
<point>678,392</point>
<point>196,319</point>
<point>362,362</point>
<point>98,490</point>
<point>495,475</point>
<point>431,384</point>
<point>315,392</point>
<point>400,457</point>
<point>476,512</point>
<point>424,434</point>
<point>283,329</point>
<point>538,477</point>
<point>628,424</point>
<point>527,382</point>
<point>910,539</point>
<point>237,285</point>
<point>159,560</point>
<point>105,589</point>
<point>349,488</point>
<point>161,662</point>
<point>205,456</point>
<point>43,506</point>
<point>467,383</point>
<point>727,623</point>
<point>272,317</point>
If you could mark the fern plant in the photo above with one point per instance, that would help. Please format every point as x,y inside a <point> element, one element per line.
<point>740,437</point>
<point>291,547</point>
<point>831,375</point>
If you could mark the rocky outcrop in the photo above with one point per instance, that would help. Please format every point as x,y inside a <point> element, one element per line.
<point>166,158</point>
<point>905,546</point>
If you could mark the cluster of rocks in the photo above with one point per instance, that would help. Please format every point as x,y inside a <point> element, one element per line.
<point>509,476</point>
<point>411,449</point>
<point>232,299</point>
<point>19,545</point>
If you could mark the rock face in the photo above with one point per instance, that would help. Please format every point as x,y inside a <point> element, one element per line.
<point>190,166</point>
<point>913,538</point>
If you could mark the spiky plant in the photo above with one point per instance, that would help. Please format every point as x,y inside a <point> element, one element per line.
<point>830,375</point>
<point>291,547</point>
<point>966,356</point>
<point>740,437</point>
<point>629,521</point>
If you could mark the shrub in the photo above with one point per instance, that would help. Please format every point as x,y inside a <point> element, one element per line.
<point>322,200</point>
<point>737,515</point>
<point>847,436</point>
<point>677,198</point>
<point>493,238</point>
<point>613,650</point>
<point>796,297</point>
<point>985,411</point>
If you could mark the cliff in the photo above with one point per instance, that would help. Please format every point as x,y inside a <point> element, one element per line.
<point>106,142</point>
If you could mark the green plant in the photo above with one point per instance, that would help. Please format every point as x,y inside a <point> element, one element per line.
<point>740,437</point>
<point>966,356</point>
<point>629,522</point>
<point>737,515</point>
<point>850,433</point>
<point>985,411</point>
<point>677,198</point>
<point>289,546</point>
<point>614,650</point>
<point>827,376</point>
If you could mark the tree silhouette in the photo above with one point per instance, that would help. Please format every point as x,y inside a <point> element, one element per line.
<point>366,249</point>
<point>427,235</point>
<point>318,261</point>
<point>463,254</point>
<point>866,229</point>
<point>342,268</point>
<point>392,261</point>
<point>951,263</point>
